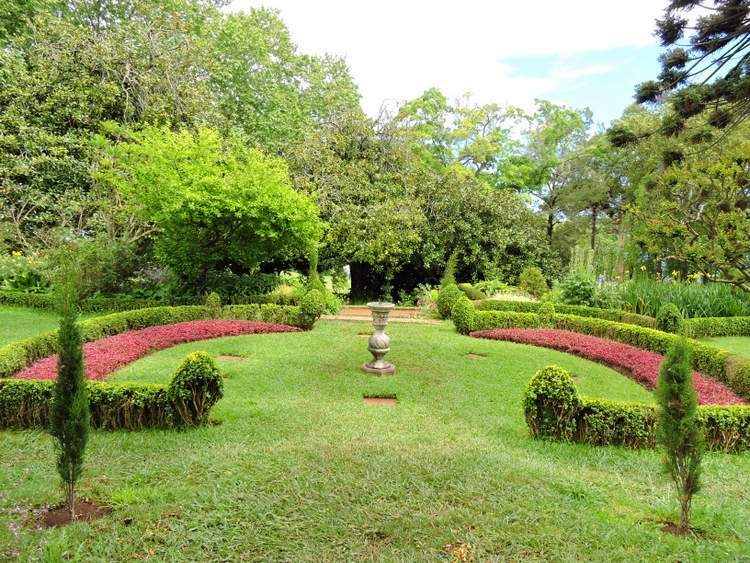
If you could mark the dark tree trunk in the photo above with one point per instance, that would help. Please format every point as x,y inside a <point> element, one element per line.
<point>360,273</point>
<point>550,225</point>
<point>594,217</point>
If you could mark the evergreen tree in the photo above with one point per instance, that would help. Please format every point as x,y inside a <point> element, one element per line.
<point>678,431</point>
<point>70,405</point>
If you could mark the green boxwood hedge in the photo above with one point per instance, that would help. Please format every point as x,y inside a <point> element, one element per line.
<point>700,327</point>
<point>580,310</point>
<point>195,387</point>
<point>730,369</point>
<point>555,411</point>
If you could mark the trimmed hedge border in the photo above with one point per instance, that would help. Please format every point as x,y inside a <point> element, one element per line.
<point>117,304</point>
<point>730,369</point>
<point>580,310</point>
<point>186,401</point>
<point>17,355</point>
<point>700,327</point>
<point>554,410</point>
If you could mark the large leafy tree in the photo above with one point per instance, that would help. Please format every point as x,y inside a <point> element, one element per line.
<point>553,138</point>
<point>698,213</point>
<point>217,205</point>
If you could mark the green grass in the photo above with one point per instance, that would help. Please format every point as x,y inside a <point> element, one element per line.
<point>735,344</point>
<point>17,322</point>
<point>300,469</point>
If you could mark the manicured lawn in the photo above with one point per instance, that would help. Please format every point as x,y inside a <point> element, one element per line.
<point>298,468</point>
<point>735,344</point>
<point>17,322</point>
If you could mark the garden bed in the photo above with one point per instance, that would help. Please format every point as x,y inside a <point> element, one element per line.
<point>642,365</point>
<point>104,356</point>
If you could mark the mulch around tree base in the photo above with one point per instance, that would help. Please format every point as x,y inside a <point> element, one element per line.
<point>85,512</point>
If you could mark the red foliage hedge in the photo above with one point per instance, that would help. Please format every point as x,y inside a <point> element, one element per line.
<point>104,356</point>
<point>641,364</point>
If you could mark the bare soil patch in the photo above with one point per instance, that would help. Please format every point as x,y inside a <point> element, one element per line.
<point>86,511</point>
<point>385,401</point>
<point>229,358</point>
<point>473,356</point>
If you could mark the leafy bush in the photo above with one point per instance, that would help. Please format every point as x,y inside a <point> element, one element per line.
<point>22,273</point>
<point>532,282</point>
<point>547,314</point>
<point>578,289</point>
<point>471,292</point>
<point>646,296</point>
<point>603,422</point>
<point>213,304</point>
<point>608,296</point>
<point>669,318</point>
<point>492,287</point>
<point>116,406</point>
<point>449,273</point>
<point>462,314</point>
<point>550,404</point>
<point>195,387</point>
<point>447,298</point>
<point>311,307</point>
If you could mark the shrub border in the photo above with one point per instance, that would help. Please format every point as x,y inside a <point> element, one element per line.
<point>700,327</point>
<point>580,310</point>
<point>599,422</point>
<point>730,369</point>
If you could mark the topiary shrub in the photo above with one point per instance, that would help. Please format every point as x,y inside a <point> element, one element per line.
<point>312,305</point>
<point>547,315</point>
<point>551,403</point>
<point>449,274</point>
<point>213,304</point>
<point>462,315</point>
<point>669,318</point>
<point>532,281</point>
<point>472,292</point>
<point>678,428</point>
<point>578,289</point>
<point>447,298</point>
<point>195,387</point>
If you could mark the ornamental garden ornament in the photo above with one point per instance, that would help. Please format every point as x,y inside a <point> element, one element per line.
<point>379,344</point>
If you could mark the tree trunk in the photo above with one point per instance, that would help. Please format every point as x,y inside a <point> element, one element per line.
<point>359,276</point>
<point>594,216</point>
<point>70,499</point>
<point>550,225</point>
<point>684,513</point>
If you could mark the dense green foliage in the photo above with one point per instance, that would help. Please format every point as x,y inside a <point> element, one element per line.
<point>447,298</point>
<point>678,429</point>
<point>532,282</point>
<point>669,318</point>
<point>70,415</point>
<point>551,403</point>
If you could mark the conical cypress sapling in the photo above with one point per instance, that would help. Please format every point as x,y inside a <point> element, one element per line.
<point>70,415</point>
<point>678,431</point>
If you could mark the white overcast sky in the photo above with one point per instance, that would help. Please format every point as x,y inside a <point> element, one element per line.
<point>580,52</point>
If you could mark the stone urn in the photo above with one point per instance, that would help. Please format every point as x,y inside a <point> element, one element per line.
<point>379,344</point>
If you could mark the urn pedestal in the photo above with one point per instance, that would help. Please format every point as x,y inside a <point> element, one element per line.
<point>379,344</point>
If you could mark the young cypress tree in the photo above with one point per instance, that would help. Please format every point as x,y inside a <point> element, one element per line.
<point>678,431</point>
<point>70,414</point>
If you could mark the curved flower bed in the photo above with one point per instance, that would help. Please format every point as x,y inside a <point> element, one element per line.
<point>104,356</point>
<point>641,364</point>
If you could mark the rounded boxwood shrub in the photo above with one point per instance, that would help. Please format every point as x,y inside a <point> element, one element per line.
<point>551,403</point>
<point>547,314</point>
<point>669,318</point>
<point>213,304</point>
<point>312,305</point>
<point>447,298</point>
<point>532,282</point>
<point>462,314</point>
<point>196,386</point>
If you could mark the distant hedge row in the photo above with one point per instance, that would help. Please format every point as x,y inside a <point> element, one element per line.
<point>195,387</point>
<point>554,410</point>
<point>580,310</point>
<point>730,369</point>
<point>700,327</point>
<point>115,304</point>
